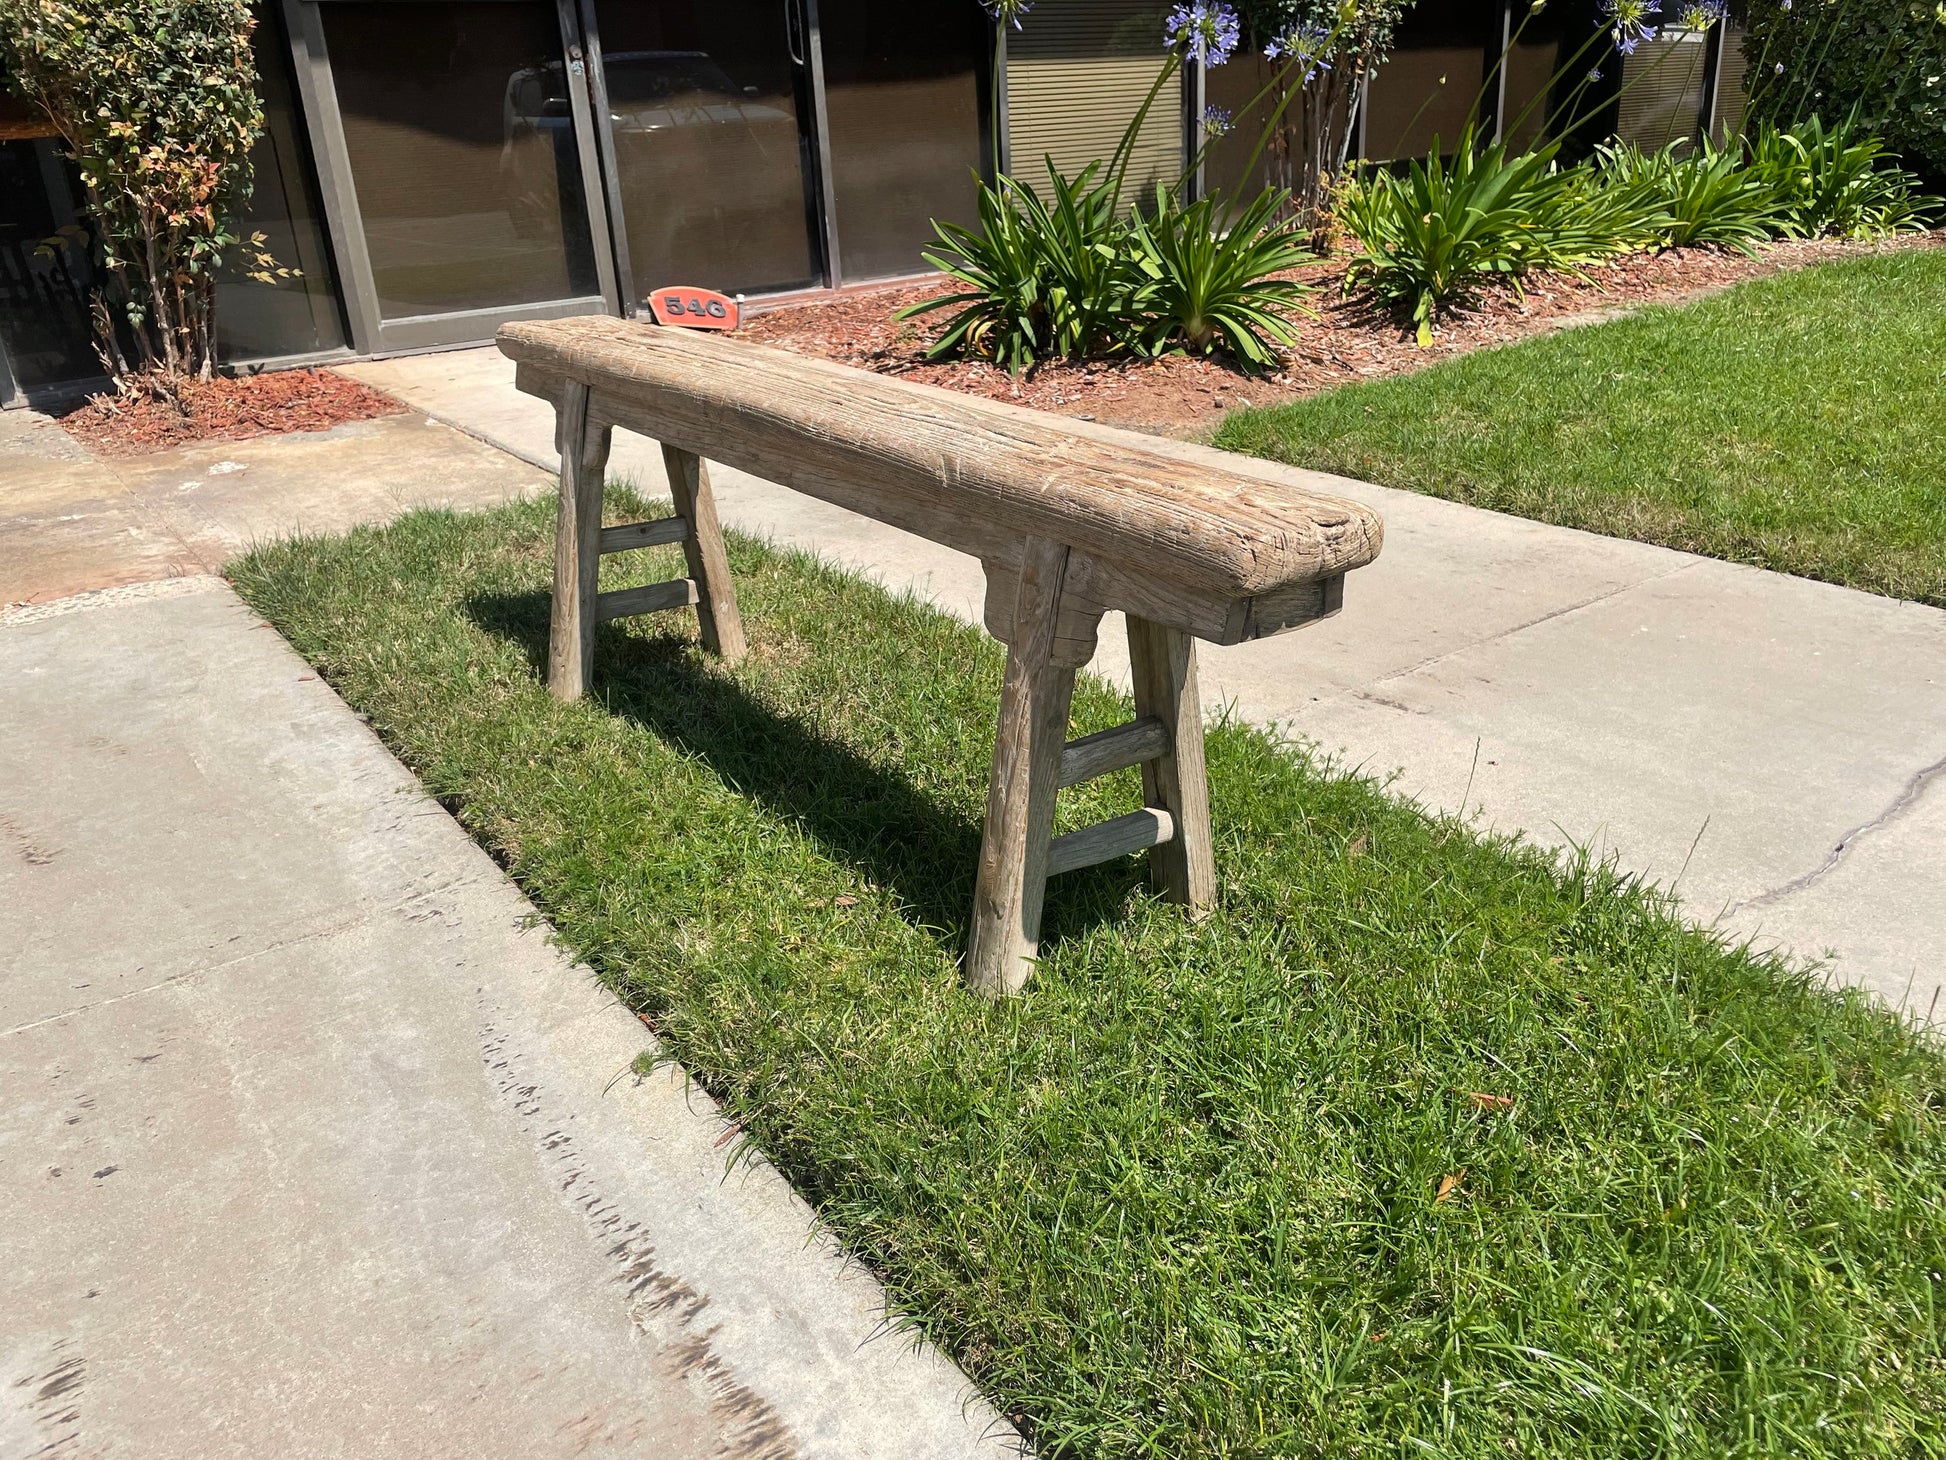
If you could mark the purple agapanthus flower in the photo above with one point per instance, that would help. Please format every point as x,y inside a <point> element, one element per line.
<point>1301,46</point>
<point>1206,32</point>
<point>1007,12</point>
<point>1632,22</point>
<point>1702,14</point>
<point>1216,121</point>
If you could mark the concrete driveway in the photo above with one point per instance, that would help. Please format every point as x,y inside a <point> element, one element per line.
<point>311,1142</point>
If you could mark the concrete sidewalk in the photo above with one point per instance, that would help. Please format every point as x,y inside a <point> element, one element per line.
<point>71,521</point>
<point>1777,745</point>
<point>311,1143</point>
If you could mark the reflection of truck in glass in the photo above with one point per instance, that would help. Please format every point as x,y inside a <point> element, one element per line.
<point>711,182</point>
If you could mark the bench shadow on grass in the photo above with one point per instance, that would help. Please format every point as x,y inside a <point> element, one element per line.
<point>868,816</point>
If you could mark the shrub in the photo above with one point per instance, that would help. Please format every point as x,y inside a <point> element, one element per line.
<point>1433,235</point>
<point>1836,180</point>
<point>157,102</point>
<point>1071,279</point>
<point>1042,280</point>
<point>1705,196</point>
<point>1209,283</point>
<point>1436,233</point>
<point>1883,59</point>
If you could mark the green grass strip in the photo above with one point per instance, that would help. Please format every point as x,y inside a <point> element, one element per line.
<point>1797,422</point>
<point>1184,1197</point>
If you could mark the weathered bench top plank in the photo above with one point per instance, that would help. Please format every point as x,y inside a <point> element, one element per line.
<point>996,476</point>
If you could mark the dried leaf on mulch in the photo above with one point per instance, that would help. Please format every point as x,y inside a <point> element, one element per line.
<point>226,410</point>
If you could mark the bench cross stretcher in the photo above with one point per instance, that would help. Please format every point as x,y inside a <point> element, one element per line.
<point>1069,524</point>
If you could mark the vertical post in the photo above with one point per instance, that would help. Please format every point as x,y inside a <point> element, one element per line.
<point>709,564</point>
<point>1034,702</point>
<point>577,544</point>
<point>1162,661</point>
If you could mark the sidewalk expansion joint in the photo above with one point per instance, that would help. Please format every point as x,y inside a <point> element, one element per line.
<point>337,926</point>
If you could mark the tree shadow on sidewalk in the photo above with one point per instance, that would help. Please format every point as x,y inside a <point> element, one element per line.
<point>867,815</point>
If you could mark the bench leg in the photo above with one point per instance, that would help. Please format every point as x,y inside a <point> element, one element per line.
<point>1034,703</point>
<point>1163,665</point>
<point>577,545</point>
<point>716,599</point>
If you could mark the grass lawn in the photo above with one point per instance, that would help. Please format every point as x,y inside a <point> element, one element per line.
<point>1420,1144</point>
<point>1797,422</point>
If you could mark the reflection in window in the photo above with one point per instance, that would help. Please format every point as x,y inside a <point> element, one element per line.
<point>463,154</point>
<point>902,93</point>
<point>297,315</point>
<point>703,109</point>
<point>46,274</point>
<point>1431,86</point>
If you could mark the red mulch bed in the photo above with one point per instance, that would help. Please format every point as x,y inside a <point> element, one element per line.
<point>1351,339</point>
<point>226,410</point>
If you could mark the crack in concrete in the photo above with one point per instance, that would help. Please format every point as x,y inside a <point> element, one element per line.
<point>1908,796</point>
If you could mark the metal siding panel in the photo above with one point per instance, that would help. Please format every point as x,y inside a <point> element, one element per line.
<point>1662,89</point>
<point>1732,80</point>
<point>1077,72</point>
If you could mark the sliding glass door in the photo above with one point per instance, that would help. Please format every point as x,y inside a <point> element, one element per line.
<point>904,102</point>
<point>485,160</point>
<point>454,151</point>
<point>703,105</point>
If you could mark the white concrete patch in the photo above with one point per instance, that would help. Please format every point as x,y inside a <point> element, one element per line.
<point>28,613</point>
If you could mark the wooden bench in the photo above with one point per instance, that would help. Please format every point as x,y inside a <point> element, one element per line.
<point>1068,526</point>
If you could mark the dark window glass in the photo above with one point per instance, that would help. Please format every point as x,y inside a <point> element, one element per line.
<point>463,154</point>
<point>1543,42</point>
<point>902,99</point>
<point>45,270</point>
<point>1425,93</point>
<point>45,257</point>
<point>288,316</point>
<point>703,109</point>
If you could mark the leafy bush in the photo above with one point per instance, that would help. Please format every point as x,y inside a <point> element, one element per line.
<point>1432,235</point>
<point>1704,195</point>
<point>1041,281</point>
<point>1071,279</point>
<point>157,102</point>
<point>1208,282</point>
<point>1883,59</point>
<point>1836,180</point>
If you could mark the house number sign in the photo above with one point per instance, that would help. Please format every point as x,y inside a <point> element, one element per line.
<point>696,309</point>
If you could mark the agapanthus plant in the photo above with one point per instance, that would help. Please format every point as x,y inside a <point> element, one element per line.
<point>1206,33</point>
<point>1007,12</point>
<point>1702,14</point>
<point>1216,121</point>
<point>1632,21</point>
<point>1303,47</point>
